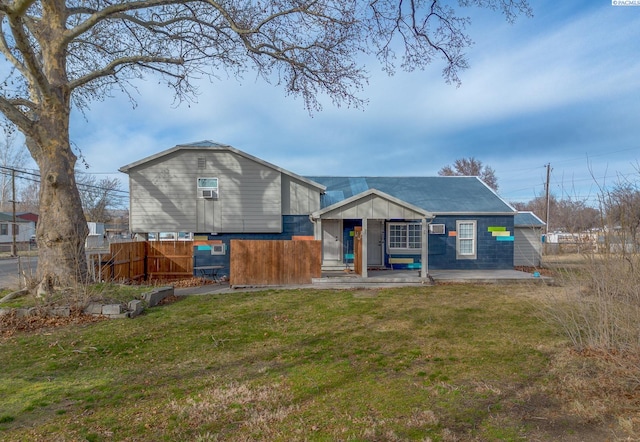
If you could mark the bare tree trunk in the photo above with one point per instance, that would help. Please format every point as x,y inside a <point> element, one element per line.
<point>62,227</point>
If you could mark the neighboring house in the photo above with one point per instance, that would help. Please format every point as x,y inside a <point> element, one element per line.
<point>24,228</point>
<point>528,239</point>
<point>218,193</point>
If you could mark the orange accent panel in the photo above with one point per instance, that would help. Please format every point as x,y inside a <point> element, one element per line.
<point>453,233</point>
<point>302,238</point>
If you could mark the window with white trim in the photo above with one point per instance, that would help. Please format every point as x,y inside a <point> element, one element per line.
<point>466,239</point>
<point>208,187</point>
<point>404,236</point>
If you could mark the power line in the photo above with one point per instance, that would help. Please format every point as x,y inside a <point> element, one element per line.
<point>37,175</point>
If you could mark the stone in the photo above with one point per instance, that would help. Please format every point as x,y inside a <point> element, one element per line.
<point>61,311</point>
<point>135,308</point>
<point>154,297</point>
<point>94,308</point>
<point>111,309</point>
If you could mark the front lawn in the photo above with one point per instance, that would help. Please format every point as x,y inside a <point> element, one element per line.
<point>442,363</point>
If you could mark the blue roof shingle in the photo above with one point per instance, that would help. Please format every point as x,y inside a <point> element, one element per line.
<point>434,194</point>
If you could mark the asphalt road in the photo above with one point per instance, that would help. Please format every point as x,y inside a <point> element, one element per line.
<point>11,268</point>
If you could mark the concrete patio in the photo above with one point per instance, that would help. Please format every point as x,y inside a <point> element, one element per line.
<point>386,278</point>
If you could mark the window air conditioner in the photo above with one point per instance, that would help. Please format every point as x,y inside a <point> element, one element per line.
<point>208,193</point>
<point>436,229</point>
<point>218,249</point>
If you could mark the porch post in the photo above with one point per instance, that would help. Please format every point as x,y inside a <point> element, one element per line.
<point>364,247</point>
<point>317,234</point>
<point>424,268</point>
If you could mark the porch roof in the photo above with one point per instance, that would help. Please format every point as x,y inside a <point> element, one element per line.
<point>372,204</point>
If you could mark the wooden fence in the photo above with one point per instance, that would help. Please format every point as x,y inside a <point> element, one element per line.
<point>274,262</point>
<point>139,261</point>
<point>252,262</point>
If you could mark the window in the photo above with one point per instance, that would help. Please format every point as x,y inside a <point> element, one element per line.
<point>208,187</point>
<point>466,239</point>
<point>404,236</point>
<point>207,183</point>
<point>4,229</point>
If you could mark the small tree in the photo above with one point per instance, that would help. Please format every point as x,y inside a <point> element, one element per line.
<point>12,156</point>
<point>28,196</point>
<point>471,167</point>
<point>99,196</point>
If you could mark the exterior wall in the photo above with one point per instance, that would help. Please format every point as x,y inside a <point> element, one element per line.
<point>491,252</point>
<point>165,194</point>
<point>25,231</point>
<point>528,246</point>
<point>293,225</point>
<point>298,198</point>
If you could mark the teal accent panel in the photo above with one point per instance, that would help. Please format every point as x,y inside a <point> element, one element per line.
<point>504,238</point>
<point>203,248</point>
<point>348,256</point>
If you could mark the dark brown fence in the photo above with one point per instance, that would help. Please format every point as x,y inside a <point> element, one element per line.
<point>274,262</point>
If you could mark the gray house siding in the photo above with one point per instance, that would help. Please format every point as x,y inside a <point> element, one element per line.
<point>297,197</point>
<point>166,197</point>
<point>528,247</point>
<point>528,239</point>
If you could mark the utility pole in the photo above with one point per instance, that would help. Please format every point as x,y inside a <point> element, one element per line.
<point>547,198</point>
<point>14,250</point>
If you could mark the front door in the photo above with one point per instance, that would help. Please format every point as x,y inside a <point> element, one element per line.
<point>331,240</point>
<point>375,242</point>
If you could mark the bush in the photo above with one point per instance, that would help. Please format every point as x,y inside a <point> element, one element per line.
<point>601,307</point>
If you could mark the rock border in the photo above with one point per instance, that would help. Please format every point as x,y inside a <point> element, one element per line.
<point>132,309</point>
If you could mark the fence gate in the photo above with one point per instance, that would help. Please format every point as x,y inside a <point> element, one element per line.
<point>277,262</point>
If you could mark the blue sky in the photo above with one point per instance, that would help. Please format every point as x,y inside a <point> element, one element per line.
<point>562,88</point>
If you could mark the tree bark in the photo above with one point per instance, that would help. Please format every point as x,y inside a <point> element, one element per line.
<point>62,227</point>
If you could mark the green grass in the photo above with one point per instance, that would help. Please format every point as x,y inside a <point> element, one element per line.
<point>398,364</point>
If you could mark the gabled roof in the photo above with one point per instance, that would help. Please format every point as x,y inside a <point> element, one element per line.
<point>527,219</point>
<point>441,195</point>
<point>372,203</point>
<point>8,218</point>
<point>212,146</point>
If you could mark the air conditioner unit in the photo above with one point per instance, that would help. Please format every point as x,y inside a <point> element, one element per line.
<point>218,249</point>
<point>437,229</point>
<point>208,193</point>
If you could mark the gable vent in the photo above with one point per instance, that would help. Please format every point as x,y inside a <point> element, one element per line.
<point>202,163</point>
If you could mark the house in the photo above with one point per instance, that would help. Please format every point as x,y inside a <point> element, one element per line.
<point>529,230</point>
<point>463,223</point>
<point>24,228</point>
<point>215,192</point>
